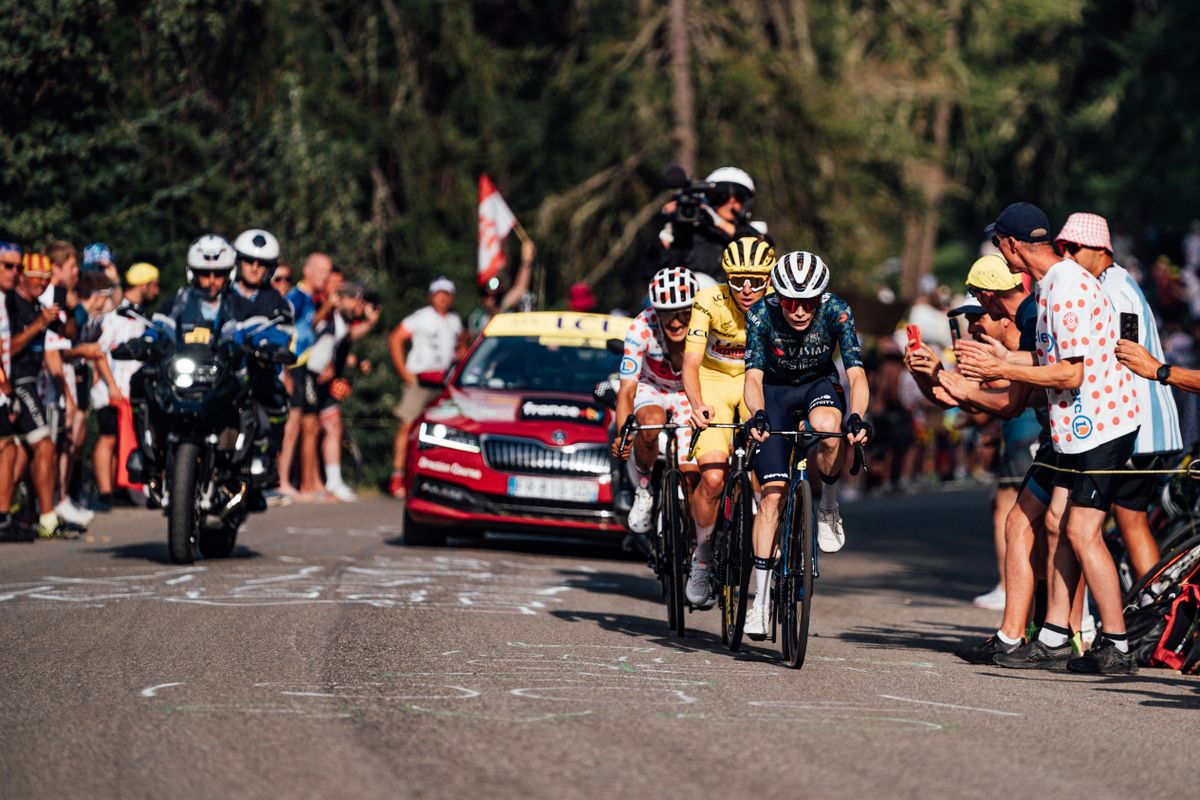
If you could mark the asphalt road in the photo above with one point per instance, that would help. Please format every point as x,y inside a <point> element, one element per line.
<point>326,659</point>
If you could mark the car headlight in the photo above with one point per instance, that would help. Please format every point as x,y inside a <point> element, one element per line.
<point>439,435</point>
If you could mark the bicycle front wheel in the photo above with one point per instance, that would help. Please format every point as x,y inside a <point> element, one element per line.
<point>795,589</point>
<point>737,559</point>
<point>675,542</point>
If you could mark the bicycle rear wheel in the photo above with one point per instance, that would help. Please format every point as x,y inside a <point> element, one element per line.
<point>736,549</point>
<point>675,541</point>
<point>795,589</point>
<point>1179,566</point>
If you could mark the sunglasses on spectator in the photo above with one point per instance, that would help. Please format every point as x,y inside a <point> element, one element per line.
<point>754,283</point>
<point>1069,248</point>
<point>282,279</point>
<point>794,304</point>
<point>8,265</point>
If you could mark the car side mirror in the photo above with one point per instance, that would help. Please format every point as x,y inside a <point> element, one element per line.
<point>615,346</point>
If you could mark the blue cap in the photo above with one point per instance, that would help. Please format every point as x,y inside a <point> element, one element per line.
<point>1022,221</point>
<point>10,247</point>
<point>96,254</point>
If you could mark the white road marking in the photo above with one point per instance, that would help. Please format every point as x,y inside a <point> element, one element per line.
<point>152,691</point>
<point>951,705</point>
<point>180,579</point>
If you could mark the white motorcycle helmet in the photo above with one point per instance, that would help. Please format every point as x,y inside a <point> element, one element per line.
<point>257,245</point>
<point>731,175</point>
<point>209,253</point>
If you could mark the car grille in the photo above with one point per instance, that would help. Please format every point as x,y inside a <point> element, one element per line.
<point>510,454</point>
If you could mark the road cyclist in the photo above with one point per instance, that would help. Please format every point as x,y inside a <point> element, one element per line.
<point>792,339</point>
<point>713,378</point>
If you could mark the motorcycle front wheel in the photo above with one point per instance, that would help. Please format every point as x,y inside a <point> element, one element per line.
<point>183,516</point>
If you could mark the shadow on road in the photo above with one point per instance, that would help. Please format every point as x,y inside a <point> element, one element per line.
<point>640,586</point>
<point>934,636</point>
<point>157,552</point>
<point>589,549</point>
<point>654,631</point>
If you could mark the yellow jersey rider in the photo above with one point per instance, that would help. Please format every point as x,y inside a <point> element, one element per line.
<point>713,374</point>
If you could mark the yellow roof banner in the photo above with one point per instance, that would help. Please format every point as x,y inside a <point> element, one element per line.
<point>555,324</point>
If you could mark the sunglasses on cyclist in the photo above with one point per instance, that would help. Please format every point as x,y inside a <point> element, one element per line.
<point>683,314</point>
<point>753,283</point>
<point>794,304</point>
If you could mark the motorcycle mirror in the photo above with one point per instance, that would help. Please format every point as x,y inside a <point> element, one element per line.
<point>615,346</point>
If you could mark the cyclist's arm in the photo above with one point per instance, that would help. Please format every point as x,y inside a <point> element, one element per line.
<point>625,395</point>
<point>755,400</point>
<point>693,355</point>
<point>691,378</point>
<point>630,369</point>
<point>860,392</point>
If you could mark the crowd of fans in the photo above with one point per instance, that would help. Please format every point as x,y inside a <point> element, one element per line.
<point>62,316</point>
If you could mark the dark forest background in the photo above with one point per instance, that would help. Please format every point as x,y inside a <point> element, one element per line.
<point>882,134</point>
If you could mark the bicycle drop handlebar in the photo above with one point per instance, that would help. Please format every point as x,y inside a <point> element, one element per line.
<point>632,426</point>
<point>860,456</point>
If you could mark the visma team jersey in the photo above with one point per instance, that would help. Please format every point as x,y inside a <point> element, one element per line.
<point>1076,320</point>
<point>718,329</point>
<point>789,357</point>
<point>646,358</point>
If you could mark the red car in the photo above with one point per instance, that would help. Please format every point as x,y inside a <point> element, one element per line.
<point>517,441</point>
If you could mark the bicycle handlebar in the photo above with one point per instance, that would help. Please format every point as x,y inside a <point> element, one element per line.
<point>632,426</point>
<point>860,456</point>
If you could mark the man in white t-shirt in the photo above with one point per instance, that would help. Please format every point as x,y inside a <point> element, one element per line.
<point>1094,418</point>
<point>1085,239</point>
<point>437,338</point>
<point>10,266</point>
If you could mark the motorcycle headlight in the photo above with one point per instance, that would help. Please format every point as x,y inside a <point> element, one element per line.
<point>439,435</point>
<point>187,372</point>
<point>184,366</point>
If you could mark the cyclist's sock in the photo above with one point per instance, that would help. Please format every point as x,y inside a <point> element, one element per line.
<point>704,542</point>
<point>333,474</point>
<point>1119,640</point>
<point>1054,636</point>
<point>828,497</point>
<point>762,574</point>
<point>643,479</point>
<point>1010,642</point>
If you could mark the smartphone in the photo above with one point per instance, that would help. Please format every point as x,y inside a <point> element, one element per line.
<point>60,296</point>
<point>959,325</point>
<point>1129,326</point>
<point>914,336</point>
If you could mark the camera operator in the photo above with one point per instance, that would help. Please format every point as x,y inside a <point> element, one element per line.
<point>703,218</point>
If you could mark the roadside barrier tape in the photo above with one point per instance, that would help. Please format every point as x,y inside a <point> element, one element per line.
<point>1191,470</point>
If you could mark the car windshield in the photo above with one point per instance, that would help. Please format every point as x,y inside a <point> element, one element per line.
<point>527,363</point>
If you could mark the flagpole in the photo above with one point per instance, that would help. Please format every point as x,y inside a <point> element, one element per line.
<point>520,231</point>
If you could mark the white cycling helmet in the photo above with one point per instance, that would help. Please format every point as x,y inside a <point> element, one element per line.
<point>800,274</point>
<point>209,253</point>
<point>731,175</point>
<point>257,245</point>
<point>673,288</point>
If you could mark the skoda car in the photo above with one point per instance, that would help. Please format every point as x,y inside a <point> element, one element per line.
<point>517,441</point>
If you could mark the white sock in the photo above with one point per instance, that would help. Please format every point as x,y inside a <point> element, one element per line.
<point>704,542</point>
<point>333,474</point>
<point>1010,642</point>
<point>829,497</point>
<point>1053,638</point>
<point>1119,640</point>
<point>761,576</point>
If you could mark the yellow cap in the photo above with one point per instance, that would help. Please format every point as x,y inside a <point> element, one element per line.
<point>991,273</point>
<point>140,274</point>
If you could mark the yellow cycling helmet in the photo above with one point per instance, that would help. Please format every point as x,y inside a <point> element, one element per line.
<point>749,255</point>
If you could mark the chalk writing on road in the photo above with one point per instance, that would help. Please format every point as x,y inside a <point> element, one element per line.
<point>416,582</point>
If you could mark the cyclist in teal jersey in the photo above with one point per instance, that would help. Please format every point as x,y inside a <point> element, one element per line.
<point>792,337</point>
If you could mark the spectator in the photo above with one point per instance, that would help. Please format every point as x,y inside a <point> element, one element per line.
<point>99,256</point>
<point>580,298</point>
<point>281,280</point>
<point>309,311</point>
<point>495,299</point>
<point>1191,247</point>
<point>29,321</point>
<point>10,264</point>
<point>437,338</point>
<point>1085,238</point>
<point>141,289</point>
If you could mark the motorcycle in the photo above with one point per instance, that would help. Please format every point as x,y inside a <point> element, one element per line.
<point>199,425</point>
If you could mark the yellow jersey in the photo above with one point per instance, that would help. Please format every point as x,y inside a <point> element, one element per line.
<point>718,329</point>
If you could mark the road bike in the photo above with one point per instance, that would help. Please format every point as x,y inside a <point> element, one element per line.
<point>670,544</point>
<point>796,565</point>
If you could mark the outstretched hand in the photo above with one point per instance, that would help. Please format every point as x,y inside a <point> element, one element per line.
<point>1137,359</point>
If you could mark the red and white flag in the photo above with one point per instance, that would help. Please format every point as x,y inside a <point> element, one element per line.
<point>496,219</point>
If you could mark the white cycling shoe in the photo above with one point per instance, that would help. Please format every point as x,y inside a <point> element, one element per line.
<point>756,620</point>
<point>640,515</point>
<point>342,492</point>
<point>70,513</point>
<point>831,536</point>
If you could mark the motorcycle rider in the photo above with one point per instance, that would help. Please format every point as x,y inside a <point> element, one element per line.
<point>257,255</point>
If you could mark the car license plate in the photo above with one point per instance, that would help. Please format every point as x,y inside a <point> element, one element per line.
<point>554,489</point>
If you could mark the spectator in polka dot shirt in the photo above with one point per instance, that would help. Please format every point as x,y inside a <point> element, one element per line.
<point>1094,408</point>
